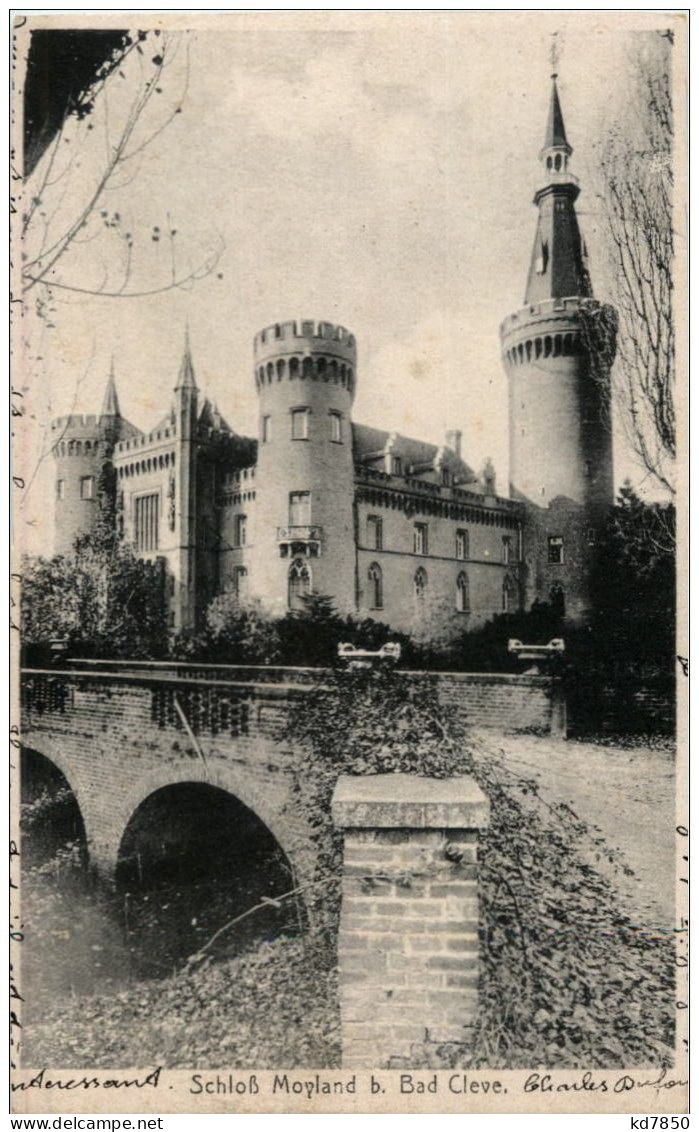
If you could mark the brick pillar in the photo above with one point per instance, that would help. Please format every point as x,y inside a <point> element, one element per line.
<point>408,942</point>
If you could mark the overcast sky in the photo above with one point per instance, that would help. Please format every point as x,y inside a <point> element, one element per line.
<point>373,170</point>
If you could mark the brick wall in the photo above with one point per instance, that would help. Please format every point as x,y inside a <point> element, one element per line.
<point>117,739</point>
<point>408,945</point>
<point>499,700</point>
<point>503,701</point>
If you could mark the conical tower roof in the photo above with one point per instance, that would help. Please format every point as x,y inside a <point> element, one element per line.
<point>110,402</point>
<point>186,379</point>
<point>555,137</point>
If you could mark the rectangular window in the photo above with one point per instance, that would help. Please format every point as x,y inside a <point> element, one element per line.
<point>266,429</point>
<point>462,545</point>
<point>60,489</point>
<point>506,549</point>
<point>87,487</point>
<point>396,466</point>
<point>591,536</point>
<point>555,549</point>
<point>241,525</point>
<point>336,428</point>
<point>374,532</point>
<point>420,538</point>
<point>299,508</point>
<point>446,477</point>
<point>146,522</point>
<point>299,424</point>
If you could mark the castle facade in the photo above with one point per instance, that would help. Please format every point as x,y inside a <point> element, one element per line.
<point>390,527</point>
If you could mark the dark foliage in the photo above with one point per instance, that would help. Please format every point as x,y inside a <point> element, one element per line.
<point>101,600</point>
<point>64,67</point>
<point>620,670</point>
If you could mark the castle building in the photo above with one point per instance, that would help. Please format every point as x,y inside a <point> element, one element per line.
<point>390,527</point>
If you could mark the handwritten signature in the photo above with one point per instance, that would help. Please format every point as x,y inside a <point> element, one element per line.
<point>545,1083</point>
<point>41,1081</point>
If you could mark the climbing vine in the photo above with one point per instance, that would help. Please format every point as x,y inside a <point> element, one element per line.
<point>567,979</point>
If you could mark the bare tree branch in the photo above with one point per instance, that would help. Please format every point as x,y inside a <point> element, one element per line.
<point>636,169</point>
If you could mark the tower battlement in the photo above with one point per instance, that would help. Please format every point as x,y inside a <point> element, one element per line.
<point>553,328</point>
<point>77,434</point>
<point>305,335</point>
<point>305,349</point>
<point>77,424</point>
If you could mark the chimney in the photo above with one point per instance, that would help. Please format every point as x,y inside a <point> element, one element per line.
<point>453,440</point>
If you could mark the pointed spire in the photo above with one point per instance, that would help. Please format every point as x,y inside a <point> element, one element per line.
<point>558,269</point>
<point>555,137</point>
<point>186,379</point>
<point>110,403</point>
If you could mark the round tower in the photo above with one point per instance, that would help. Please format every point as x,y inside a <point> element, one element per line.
<point>82,446</point>
<point>303,531</point>
<point>80,449</point>
<point>557,352</point>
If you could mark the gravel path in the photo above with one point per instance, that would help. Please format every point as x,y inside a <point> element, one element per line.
<point>629,794</point>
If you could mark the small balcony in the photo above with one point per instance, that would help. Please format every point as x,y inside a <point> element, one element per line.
<point>305,540</point>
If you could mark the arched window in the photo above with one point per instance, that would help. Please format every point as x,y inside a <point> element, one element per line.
<point>299,583</point>
<point>462,596</point>
<point>240,582</point>
<point>294,367</point>
<point>307,370</point>
<point>420,583</point>
<point>558,161</point>
<point>281,369</point>
<point>509,595</point>
<point>375,586</point>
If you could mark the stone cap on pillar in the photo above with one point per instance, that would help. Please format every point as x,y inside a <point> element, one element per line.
<point>408,801</point>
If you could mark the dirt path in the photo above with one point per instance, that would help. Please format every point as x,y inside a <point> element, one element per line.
<point>628,793</point>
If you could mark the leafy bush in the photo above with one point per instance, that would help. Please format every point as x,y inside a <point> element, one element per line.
<point>268,1008</point>
<point>101,599</point>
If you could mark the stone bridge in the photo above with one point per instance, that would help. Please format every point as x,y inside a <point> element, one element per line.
<point>408,954</point>
<point>119,736</point>
<point>121,730</point>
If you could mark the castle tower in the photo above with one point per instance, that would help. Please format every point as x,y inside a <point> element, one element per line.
<point>303,536</point>
<point>82,448</point>
<point>557,351</point>
<point>186,413</point>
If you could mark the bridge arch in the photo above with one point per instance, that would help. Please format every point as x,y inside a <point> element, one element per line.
<point>65,820</point>
<point>233,781</point>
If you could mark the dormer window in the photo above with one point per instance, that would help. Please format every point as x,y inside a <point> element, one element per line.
<point>446,477</point>
<point>396,466</point>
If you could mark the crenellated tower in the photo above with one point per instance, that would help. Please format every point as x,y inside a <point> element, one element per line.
<point>82,448</point>
<point>303,533</point>
<point>558,351</point>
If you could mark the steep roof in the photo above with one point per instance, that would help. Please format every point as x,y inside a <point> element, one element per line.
<point>374,442</point>
<point>555,129</point>
<point>110,402</point>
